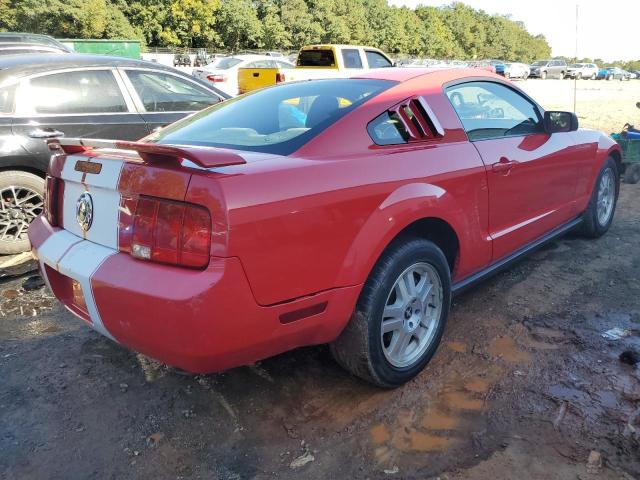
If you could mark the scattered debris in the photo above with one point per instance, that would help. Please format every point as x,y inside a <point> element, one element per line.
<point>123,387</point>
<point>561,413</point>
<point>302,460</point>
<point>630,357</point>
<point>594,462</point>
<point>392,471</point>
<point>616,333</point>
<point>155,438</point>
<point>631,429</point>
<point>290,429</point>
<point>33,283</point>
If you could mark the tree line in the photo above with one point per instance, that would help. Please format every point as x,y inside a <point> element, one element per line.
<point>453,31</point>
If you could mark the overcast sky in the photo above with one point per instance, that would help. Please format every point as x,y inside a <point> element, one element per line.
<point>607,29</point>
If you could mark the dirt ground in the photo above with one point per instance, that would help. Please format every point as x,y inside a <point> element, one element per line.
<point>600,104</point>
<point>524,385</point>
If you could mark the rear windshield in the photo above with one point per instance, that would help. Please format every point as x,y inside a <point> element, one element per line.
<point>224,63</point>
<point>316,58</point>
<point>273,120</point>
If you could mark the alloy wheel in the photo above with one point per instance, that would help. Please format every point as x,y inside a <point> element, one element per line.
<point>411,314</point>
<point>606,197</point>
<point>19,206</point>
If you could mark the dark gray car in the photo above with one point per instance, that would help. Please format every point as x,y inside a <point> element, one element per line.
<point>48,96</point>
<point>549,69</point>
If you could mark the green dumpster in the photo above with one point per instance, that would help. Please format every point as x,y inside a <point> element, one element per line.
<point>118,48</point>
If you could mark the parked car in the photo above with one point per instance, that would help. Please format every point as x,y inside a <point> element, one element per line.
<point>616,73</point>
<point>181,60</point>
<point>48,96</point>
<point>498,65</point>
<point>347,211</point>
<point>516,70</point>
<point>583,70</point>
<point>548,69</point>
<point>223,72</point>
<point>633,75</point>
<point>33,39</point>
<point>318,61</point>
<point>17,48</point>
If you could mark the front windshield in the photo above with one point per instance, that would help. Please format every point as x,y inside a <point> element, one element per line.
<point>224,63</point>
<point>273,120</point>
<point>539,63</point>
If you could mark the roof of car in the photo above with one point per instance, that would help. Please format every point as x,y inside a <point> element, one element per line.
<point>404,74</point>
<point>17,66</point>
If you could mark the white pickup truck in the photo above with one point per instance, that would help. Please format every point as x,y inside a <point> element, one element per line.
<point>314,62</point>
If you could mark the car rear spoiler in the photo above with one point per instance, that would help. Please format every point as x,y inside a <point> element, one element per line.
<point>206,157</point>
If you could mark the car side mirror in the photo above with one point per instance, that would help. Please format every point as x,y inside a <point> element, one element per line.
<point>555,122</point>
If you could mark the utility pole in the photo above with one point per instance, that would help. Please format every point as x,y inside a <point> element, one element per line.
<point>575,78</point>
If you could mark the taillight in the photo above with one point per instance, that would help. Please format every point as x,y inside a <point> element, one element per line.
<point>51,196</point>
<point>280,77</point>
<point>171,232</point>
<point>216,78</point>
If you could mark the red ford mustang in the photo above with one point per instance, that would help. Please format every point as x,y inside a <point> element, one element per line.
<point>345,211</point>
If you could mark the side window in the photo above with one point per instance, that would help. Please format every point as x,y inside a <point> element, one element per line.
<point>6,99</point>
<point>388,129</point>
<point>83,91</point>
<point>491,110</point>
<point>161,92</point>
<point>351,58</point>
<point>377,60</point>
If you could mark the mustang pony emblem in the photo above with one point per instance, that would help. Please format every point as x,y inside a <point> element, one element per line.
<point>84,211</point>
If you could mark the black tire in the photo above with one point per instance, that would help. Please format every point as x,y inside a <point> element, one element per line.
<point>543,75</point>
<point>632,174</point>
<point>594,76</point>
<point>22,181</point>
<point>359,348</point>
<point>578,76</point>
<point>525,76</point>
<point>591,225</point>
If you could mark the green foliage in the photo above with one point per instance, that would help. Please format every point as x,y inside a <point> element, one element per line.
<point>453,31</point>
<point>66,19</point>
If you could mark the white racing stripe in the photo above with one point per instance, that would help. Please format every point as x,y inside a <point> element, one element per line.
<point>103,188</point>
<point>80,263</point>
<point>78,259</point>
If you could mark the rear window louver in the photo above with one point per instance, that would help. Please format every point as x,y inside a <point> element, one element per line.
<point>418,119</point>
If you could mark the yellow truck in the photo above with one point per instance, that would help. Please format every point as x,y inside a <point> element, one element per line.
<point>314,62</point>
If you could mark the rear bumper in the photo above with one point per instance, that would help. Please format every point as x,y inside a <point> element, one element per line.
<point>198,320</point>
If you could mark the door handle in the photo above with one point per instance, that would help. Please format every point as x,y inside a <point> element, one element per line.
<point>45,133</point>
<point>504,165</point>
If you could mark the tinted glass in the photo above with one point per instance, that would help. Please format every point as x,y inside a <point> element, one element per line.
<point>225,63</point>
<point>283,65</point>
<point>539,63</point>
<point>387,129</point>
<point>491,110</point>
<point>89,91</point>
<point>316,58</point>
<point>351,58</point>
<point>161,92</point>
<point>261,64</point>
<point>376,60</point>
<point>290,115</point>
<point>6,99</point>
